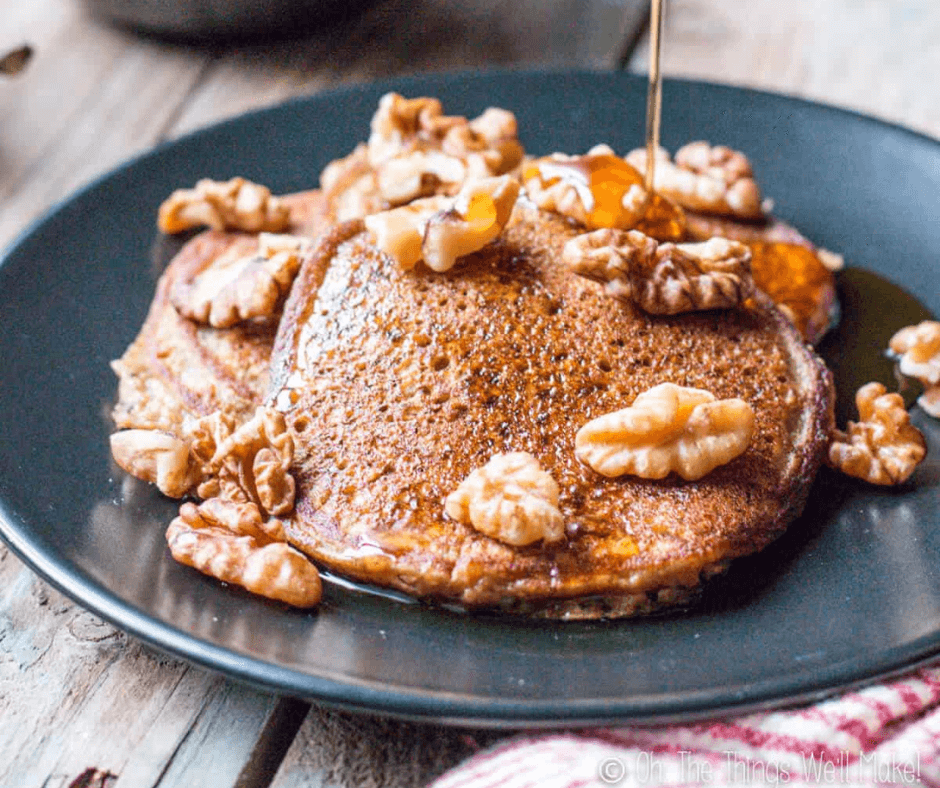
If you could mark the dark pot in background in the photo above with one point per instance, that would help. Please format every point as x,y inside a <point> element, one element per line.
<point>208,21</point>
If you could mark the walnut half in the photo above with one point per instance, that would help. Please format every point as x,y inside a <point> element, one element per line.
<point>510,499</point>
<point>250,464</point>
<point>415,151</point>
<point>486,145</point>
<point>477,217</point>
<point>668,428</point>
<point>234,290</point>
<point>228,541</point>
<point>715,274</point>
<point>918,349</point>
<point>400,232</point>
<point>598,189</point>
<point>237,204</point>
<point>439,230</point>
<point>664,279</point>
<point>883,447</point>
<point>609,256</point>
<point>715,180</point>
<point>156,457</point>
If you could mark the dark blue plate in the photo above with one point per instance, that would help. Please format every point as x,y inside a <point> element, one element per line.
<point>851,593</point>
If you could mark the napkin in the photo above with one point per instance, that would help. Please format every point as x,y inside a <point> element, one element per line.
<point>884,734</point>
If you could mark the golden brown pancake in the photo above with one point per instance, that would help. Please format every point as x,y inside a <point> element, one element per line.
<point>397,385</point>
<point>177,368</point>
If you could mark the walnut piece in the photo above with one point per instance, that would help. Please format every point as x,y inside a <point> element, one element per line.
<point>668,428</point>
<point>719,161</point>
<point>918,349</point>
<point>418,174</point>
<point>481,148</point>
<point>205,435</point>
<point>715,274</point>
<point>598,190</point>
<point>510,499</point>
<point>930,401</point>
<point>227,540</point>
<point>237,204</point>
<point>415,151</point>
<point>609,256</point>
<point>249,464</point>
<point>349,184</point>
<point>234,289</point>
<point>399,121</point>
<point>833,261</point>
<point>216,458</point>
<point>664,279</point>
<point>703,178</point>
<point>156,457</point>
<point>441,230</point>
<point>400,232</point>
<point>478,215</point>
<point>883,447</point>
<point>488,144</point>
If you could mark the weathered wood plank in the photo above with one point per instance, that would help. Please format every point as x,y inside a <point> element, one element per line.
<point>336,749</point>
<point>220,746</point>
<point>90,98</point>
<point>878,57</point>
<point>75,694</point>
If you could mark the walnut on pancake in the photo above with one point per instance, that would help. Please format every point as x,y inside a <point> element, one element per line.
<point>510,499</point>
<point>598,189</point>
<point>664,279</point>
<point>713,180</point>
<point>667,429</point>
<point>415,151</point>
<point>239,288</point>
<point>236,204</point>
<point>439,230</point>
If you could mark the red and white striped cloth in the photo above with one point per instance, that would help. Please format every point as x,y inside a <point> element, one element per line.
<point>884,734</point>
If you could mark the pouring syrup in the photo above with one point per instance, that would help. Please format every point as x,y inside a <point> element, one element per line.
<point>654,92</point>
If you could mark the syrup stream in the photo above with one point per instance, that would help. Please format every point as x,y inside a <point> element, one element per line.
<point>654,94</point>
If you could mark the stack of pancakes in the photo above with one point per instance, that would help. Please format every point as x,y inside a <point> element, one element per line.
<point>397,384</point>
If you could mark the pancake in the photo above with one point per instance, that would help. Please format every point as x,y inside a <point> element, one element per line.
<point>397,385</point>
<point>176,368</point>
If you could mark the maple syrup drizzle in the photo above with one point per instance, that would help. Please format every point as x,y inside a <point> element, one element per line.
<point>601,181</point>
<point>654,92</point>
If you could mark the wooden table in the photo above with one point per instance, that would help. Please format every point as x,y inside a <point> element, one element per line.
<point>80,702</point>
